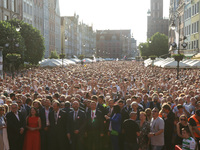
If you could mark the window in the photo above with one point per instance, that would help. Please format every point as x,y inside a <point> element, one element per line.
<point>5,4</point>
<point>24,7</point>
<point>189,29</point>
<point>192,44</point>
<point>5,17</point>
<point>30,10</point>
<point>13,5</point>
<point>195,8</point>
<point>197,26</point>
<point>198,7</point>
<point>192,10</point>
<point>197,44</point>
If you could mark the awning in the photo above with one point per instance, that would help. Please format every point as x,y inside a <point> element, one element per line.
<point>189,55</point>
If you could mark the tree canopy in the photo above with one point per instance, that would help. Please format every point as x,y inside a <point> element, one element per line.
<point>28,42</point>
<point>157,45</point>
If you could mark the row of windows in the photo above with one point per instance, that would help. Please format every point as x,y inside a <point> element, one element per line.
<point>192,11</point>
<point>28,21</point>
<point>27,8</point>
<point>195,28</point>
<point>193,44</point>
<point>13,4</point>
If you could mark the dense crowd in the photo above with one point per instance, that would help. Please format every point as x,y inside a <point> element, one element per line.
<point>100,106</point>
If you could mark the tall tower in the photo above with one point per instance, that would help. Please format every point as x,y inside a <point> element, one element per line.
<point>155,20</point>
<point>157,8</point>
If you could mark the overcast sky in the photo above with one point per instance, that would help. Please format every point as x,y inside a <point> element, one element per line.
<point>112,14</point>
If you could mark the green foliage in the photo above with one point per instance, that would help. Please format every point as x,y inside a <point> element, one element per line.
<point>158,45</point>
<point>62,56</point>
<point>178,57</point>
<point>10,39</point>
<point>54,55</point>
<point>34,42</point>
<point>81,57</point>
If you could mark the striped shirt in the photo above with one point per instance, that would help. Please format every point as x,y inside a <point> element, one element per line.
<point>189,144</point>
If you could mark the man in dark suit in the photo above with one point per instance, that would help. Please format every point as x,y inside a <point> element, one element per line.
<point>77,124</point>
<point>44,132</point>
<point>94,127</point>
<point>58,128</point>
<point>125,115</point>
<point>28,105</point>
<point>168,117</point>
<point>15,128</point>
<point>67,108</point>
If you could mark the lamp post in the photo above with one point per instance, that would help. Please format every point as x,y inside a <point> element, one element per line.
<point>178,58</point>
<point>1,62</point>
<point>12,56</point>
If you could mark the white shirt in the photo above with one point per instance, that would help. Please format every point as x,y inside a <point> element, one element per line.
<point>17,116</point>
<point>75,114</point>
<point>47,116</point>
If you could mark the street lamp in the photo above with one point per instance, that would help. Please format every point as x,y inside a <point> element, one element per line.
<point>1,62</point>
<point>12,56</point>
<point>179,57</point>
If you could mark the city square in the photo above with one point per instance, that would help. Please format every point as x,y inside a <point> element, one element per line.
<point>91,75</point>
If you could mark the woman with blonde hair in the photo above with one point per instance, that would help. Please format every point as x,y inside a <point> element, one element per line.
<point>183,123</point>
<point>3,131</point>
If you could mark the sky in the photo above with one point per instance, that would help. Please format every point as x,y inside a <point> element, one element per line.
<point>112,14</point>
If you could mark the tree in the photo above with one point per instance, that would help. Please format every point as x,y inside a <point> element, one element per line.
<point>157,45</point>
<point>144,49</point>
<point>12,42</point>
<point>54,55</point>
<point>81,57</point>
<point>34,42</point>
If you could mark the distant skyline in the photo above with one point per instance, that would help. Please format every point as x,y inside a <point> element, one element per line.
<point>113,14</point>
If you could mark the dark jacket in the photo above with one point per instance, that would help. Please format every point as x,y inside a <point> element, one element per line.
<point>96,125</point>
<point>43,116</point>
<point>77,124</point>
<point>13,128</point>
<point>58,132</point>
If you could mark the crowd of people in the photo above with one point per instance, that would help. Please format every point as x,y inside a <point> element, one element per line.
<point>100,106</point>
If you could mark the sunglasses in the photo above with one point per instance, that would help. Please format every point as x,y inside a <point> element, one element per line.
<point>183,119</point>
<point>154,111</point>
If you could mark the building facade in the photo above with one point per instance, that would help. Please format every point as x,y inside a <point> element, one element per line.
<point>113,43</point>
<point>134,51</point>
<point>10,9</point>
<point>57,28</point>
<point>155,20</point>
<point>186,17</point>
<point>77,38</point>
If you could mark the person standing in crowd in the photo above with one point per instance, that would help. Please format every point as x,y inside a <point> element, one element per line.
<point>188,142</point>
<point>144,131</point>
<point>58,128</point>
<point>157,131</point>
<point>194,122</point>
<point>94,127</point>
<point>4,145</point>
<point>115,127</point>
<point>183,123</point>
<point>131,131</point>
<point>155,103</point>
<point>44,132</point>
<point>77,125</point>
<point>32,137</point>
<point>168,117</point>
<point>15,128</point>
